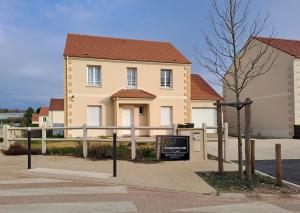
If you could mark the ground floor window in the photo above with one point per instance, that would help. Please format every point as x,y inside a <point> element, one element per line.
<point>94,116</point>
<point>166,116</point>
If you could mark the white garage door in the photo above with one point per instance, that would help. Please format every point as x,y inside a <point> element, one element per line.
<point>202,115</point>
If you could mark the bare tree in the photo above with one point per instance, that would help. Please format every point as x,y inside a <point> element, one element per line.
<point>235,56</point>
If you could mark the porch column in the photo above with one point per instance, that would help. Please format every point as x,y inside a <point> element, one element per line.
<point>116,112</point>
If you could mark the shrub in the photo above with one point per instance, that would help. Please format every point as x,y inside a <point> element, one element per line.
<point>64,151</point>
<point>104,151</point>
<point>145,154</point>
<point>18,149</point>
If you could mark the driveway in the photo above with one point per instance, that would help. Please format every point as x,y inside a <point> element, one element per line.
<point>265,156</point>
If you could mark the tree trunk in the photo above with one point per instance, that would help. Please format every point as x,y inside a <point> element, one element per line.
<point>239,136</point>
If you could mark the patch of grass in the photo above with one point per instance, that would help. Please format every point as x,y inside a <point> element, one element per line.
<point>231,181</point>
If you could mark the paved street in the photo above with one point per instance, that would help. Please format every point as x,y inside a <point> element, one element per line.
<point>265,155</point>
<point>48,195</point>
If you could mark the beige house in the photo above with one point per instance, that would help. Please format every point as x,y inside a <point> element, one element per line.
<point>120,82</point>
<point>276,94</point>
<point>56,114</point>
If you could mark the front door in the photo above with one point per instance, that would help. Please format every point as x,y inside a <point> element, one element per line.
<point>127,119</point>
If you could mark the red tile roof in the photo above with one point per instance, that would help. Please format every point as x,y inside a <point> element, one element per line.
<point>35,117</point>
<point>56,104</point>
<point>291,47</point>
<point>133,93</point>
<point>201,90</point>
<point>86,46</point>
<point>43,111</point>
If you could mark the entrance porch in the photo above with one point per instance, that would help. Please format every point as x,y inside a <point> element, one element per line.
<point>132,107</point>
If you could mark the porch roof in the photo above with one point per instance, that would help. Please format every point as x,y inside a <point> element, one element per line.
<point>133,93</point>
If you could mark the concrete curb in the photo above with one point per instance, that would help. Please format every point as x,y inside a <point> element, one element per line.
<point>284,181</point>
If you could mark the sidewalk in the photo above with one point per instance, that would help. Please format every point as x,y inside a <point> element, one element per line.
<point>174,176</point>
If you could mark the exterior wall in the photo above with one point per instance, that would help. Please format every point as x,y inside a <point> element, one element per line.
<point>296,88</point>
<point>56,117</point>
<point>272,95</point>
<point>42,122</point>
<point>114,77</point>
<point>203,104</point>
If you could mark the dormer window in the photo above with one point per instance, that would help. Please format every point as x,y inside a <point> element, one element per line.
<point>131,77</point>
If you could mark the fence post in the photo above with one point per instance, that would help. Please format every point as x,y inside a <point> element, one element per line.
<point>5,137</point>
<point>133,142</point>
<point>44,136</point>
<point>84,142</point>
<point>204,140</point>
<point>278,164</point>
<point>252,156</point>
<point>226,142</point>
<point>174,129</point>
<point>114,154</point>
<point>29,147</point>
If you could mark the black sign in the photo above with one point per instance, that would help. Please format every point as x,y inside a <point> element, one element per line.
<point>172,147</point>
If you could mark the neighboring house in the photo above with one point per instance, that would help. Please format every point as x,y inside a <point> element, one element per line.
<point>41,118</point>
<point>276,94</point>
<point>118,82</point>
<point>56,114</point>
<point>35,119</point>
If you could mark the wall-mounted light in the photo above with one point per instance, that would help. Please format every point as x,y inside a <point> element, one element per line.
<point>72,98</point>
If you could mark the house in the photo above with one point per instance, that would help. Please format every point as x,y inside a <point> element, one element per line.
<point>56,114</point>
<point>41,118</point>
<point>276,94</point>
<point>35,118</point>
<point>120,82</point>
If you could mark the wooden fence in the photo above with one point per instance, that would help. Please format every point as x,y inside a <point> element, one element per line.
<point>9,138</point>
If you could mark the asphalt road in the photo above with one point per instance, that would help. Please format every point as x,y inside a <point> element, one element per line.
<point>290,169</point>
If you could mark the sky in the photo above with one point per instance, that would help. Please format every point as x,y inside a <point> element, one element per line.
<point>33,33</point>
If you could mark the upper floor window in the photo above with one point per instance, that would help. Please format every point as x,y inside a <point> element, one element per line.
<point>94,76</point>
<point>166,78</point>
<point>131,77</point>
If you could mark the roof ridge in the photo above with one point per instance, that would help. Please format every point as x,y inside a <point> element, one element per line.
<point>118,38</point>
<point>273,38</point>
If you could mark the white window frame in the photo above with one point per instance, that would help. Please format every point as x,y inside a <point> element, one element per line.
<point>131,77</point>
<point>100,115</point>
<point>93,81</point>
<point>162,123</point>
<point>163,78</point>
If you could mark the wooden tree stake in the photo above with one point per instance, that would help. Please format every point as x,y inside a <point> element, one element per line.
<point>278,164</point>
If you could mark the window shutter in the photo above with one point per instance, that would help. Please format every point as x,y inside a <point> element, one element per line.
<point>166,116</point>
<point>94,116</point>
